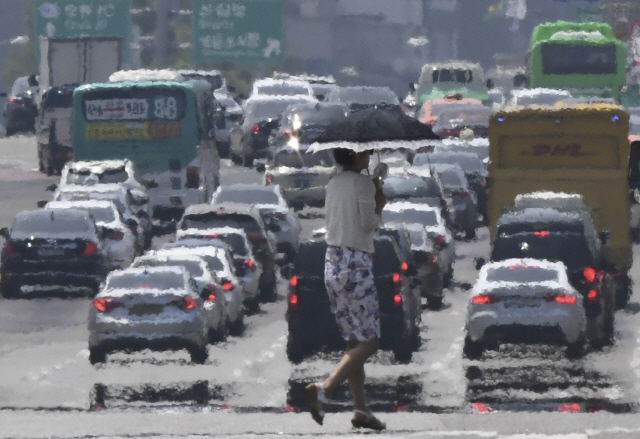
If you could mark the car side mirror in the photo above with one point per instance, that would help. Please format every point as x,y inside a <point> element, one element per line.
<point>261,168</point>
<point>480,263</point>
<point>604,236</point>
<point>52,187</point>
<point>286,271</point>
<point>4,232</point>
<point>42,203</point>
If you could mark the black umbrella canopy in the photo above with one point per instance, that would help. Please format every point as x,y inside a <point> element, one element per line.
<point>375,129</point>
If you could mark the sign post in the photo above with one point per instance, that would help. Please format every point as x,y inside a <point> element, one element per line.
<point>240,31</point>
<point>83,18</point>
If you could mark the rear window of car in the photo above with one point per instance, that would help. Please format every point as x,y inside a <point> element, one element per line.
<point>192,267</point>
<point>52,223</point>
<point>82,177</point>
<point>573,227</point>
<point>309,260</point>
<point>385,258</point>
<point>247,196</point>
<point>410,187</point>
<point>521,273</point>
<point>214,220</point>
<point>367,95</point>
<point>292,159</point>
<point>410,216</point>
<point>417,237</point>
<point>161,281</point>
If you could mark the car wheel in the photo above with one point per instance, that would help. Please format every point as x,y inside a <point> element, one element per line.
<point>217,335</point>
<point>295,352</point>
<point>237,327</point>
<point>403,349</point>
<point>575,350</point>
<point>9,290</point>
<point>199,354</point>
<point>97,355</point>
<point>472,349</point>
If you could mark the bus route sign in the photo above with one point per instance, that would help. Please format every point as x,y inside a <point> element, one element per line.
<point>241,31</point>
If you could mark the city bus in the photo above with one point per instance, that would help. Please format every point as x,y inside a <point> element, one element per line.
<point>584,58</point>
<point>160,121</point>
<point>573,148</point>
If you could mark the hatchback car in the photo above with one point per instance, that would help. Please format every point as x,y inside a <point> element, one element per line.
<point>524,300</point>
<point>247,218</point>
<point>209,286</point>
<point>53,129</point>
<point>118,240</point>
<point>48,249</point>
<point>311,320</point>
<point>282,221</point>
<point>157,308</point>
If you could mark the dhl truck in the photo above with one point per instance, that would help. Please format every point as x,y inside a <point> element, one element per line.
<point>572,148</point>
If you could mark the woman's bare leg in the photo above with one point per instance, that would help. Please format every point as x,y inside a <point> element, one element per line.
<point>352,364</point>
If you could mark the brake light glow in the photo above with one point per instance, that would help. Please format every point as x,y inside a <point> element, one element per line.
<point>248,263</point>
<point>104,305</point>
<point>589,274</point>
<point>211,236</point>
<point>484,300</point>
<point>293,281</point>
<point>211,298</point>
<point>12,252</point>
<point>90,249</point>
<point>397,279</point>
<point>542,233</point>
<point>227,286</point>
<point>189,303</point>
<point>269,178</point>
<point>293,301</point>
<point>397,300</point>
<point>405,266</point>
<point>593,296</point>
<point>255,129</point>
<point>569,300</point>
<point>117,235</point>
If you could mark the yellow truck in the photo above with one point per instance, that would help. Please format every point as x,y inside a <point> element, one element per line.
<point>573,148</point>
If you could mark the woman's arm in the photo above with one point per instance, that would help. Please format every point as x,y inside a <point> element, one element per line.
<point>368,205</point>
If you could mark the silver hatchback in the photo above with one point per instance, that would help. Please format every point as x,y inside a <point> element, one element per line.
<point>155,308</point>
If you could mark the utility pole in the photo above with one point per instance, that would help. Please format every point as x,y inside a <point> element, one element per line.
<point>161,34</point>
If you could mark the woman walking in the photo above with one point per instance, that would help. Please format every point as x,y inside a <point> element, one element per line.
<point>353,207</point>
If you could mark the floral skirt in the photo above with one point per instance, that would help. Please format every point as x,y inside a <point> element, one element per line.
<point>348,277</point>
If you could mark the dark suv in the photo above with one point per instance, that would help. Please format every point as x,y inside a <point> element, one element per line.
<point>58,248</point>
<point>312,325</point>
<point>568,237</point>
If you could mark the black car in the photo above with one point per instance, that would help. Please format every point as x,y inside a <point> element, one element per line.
<point>312,325</point>
<point>51,248</point>
<point>53,129</point>
<point>250,140</point>
<point>20,113</point>
<point>360,98</point>
<point>570,238</point>
<point>302,124</point>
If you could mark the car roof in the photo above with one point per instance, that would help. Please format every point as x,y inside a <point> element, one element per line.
<point>399,206</point>
<point>216,231</point>
<point>81,204</point>
<point>98,187</point>
<point>194,243</point>
<point>222,208</point>
<point>539,215</point>
<point>97,166</point>
<point>168,254</point>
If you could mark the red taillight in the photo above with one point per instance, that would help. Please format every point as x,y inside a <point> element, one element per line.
<point>90,249</point>
<point>293,281</point>
<point>255,129</point>
<point>117,235</point>
<point>104,305</point>
<point>405,266</point>
<point>189,303</point>
<point>248,263</point>
<point>397,279</point>
<point>569,300</point>
<point>592,296</point>
<point>193,177</point>
<point>542,233</point>
<point>293,301</point>
<point>211,236</point>
<point>484,300</point>
<point>589,274</point>
<point>269,178</point>
<point>12,251</point>
<point>440,241</point>
<point>227,286</point>
<point>397,300</point>
<point>211,298</point>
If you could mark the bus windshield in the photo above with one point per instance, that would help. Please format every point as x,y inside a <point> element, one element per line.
<point>568,59</point>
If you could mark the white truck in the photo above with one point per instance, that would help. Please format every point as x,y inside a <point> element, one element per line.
<point>77,61</point>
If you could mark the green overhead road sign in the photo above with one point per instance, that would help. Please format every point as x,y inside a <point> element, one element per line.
<point>82,18</point>
<point>241,31</point>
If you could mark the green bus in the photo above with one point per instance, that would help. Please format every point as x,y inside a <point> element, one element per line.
<point>161,122</point>
<point>584,58</point>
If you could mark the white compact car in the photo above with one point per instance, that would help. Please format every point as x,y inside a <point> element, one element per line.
<point>119,241</point>
<point>524,300</point>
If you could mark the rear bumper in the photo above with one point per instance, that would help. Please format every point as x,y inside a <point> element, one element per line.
<point>71,273</point>
<point>313,196</point>
<point>166,343</point>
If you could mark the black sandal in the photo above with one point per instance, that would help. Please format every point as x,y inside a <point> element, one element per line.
<point>315,396</point>
<point>370,421</point>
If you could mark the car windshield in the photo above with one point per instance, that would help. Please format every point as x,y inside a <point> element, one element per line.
<point>450,178</point>
<point>86,177</point>
<point>165,280</point>
<point>193,267</point>
<point>283,90</point>
<point>360,95</point>
<point>214,219</point>
<point>52,222</point>
<point>410,216</point>
<point>247,196</point>
<point>521,273</point>
<point>266,109</point>
<point>408,187</point>
<point>297,159</point>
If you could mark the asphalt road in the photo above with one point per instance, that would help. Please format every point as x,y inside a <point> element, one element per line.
<point>247,387</point>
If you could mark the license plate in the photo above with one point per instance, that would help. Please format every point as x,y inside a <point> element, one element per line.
<point>50,252</point>
<point>521,302</point>
<point>142,310</point>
